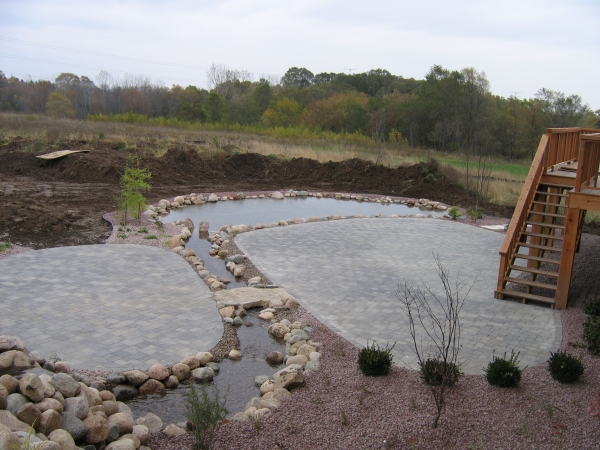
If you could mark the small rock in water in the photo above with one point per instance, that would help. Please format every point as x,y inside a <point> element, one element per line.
<point>235,355</point>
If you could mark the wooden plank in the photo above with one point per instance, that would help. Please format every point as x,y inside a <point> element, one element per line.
<point>541,247</point>
<point>60,154</point>
<point>580,200</point>
<point>567,257</point>
<point>546,273</point>
<point>545,236</point>
<point>536,258</point>
<point>536,298</point>
<point>524,282</point>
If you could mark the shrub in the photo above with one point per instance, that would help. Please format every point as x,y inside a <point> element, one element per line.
<point>564,367</point>
<point>591,334</point>
<point>435,372</point>
<point>454,213</point>
<point>475,213</point>
<point>206,412</point>
<point>504,372</point>
<point>592,307</point>
<point>374,360</point>
<point>5,245</point>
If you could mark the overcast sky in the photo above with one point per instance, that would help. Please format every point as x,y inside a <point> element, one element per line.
<point>521,45</point>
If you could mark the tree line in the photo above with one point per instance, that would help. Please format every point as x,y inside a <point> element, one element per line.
<point>448,110</point>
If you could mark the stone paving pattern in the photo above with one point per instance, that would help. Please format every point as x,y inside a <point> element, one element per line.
<point>345,272</point>
<point>107,306</point>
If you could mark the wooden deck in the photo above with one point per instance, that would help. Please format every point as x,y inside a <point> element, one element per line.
<point>536,257</point>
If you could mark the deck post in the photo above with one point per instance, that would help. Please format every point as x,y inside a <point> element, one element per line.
<point>568,256</point>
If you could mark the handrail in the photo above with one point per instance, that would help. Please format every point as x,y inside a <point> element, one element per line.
<point>587,175</point>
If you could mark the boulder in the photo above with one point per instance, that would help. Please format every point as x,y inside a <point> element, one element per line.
<point>291,303</point>
<point>15,401</point>
<point>8,343</point>
<point>240,417</point>
<point>125,409</point>
<point>74,426</point>
<point>150,421</point>
<point>267,386</point>
<point>48,388</point>
<point>290,381</point>
<point>136,377</point>
<point>62,367</point>
<point>266,315</point>
<point>110,407</point>
<point>274,358</point>
<point>9,420</point>
<point>172,382</point>
<point>227,311</point>
<point>193,362</point>
<point>124,393</point>
<point>175,242</point>
<point>142,433</point>
<point>106,395</point>
<point>116,378</point>
<point>78,406</point>
<point>277,195</point>
<point>30,415</point>
<point>64,439</point>
<point>92,395</point>
<point>123,421</point>
<point>3,403</point>
<point>3,391</point>
<point>65,384</point>
<point>9,440</point>
<point>298,359</point>
<point>31,387</point>
<point>212,198</point>
<point>10,383</point>
<point>98,429</point>
<point>300,333</point>
<point>203,374</point>
<point>151,386</point>
<point>306,350</point>
<point>235,354</point>
<point>114,432</point>
<point>179,199</point>
<point>122,444</point>
<point>281,394</point>
<point>158,372</point>
<point>278,330</point>
<point>181,371</point>
<point>51,420</point>
<point>173,430</point>
<point>260,379</point>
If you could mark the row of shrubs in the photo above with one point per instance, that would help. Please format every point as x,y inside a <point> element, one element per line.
<point>501,371</point>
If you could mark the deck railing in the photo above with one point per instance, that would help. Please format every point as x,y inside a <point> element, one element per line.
<point>558,145</point>
<point>589,159</point>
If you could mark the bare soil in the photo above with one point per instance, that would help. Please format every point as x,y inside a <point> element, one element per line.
<point>61,202</point>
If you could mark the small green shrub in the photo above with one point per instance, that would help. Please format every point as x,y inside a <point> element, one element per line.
<point>592,306</point>
<point>504,372</point>
<point>151,236</point>
<point>158,223</point>
<point>475,213</point>
<point>5,245</point>
<point>591,334</point>
<point>565,368</point>
<point>142,230</point>
<point>375,361</point>
<point>454,213</point>
<point>435,372</point>
<point>206,412</point>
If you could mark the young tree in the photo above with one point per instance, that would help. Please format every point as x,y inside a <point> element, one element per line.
<point>134,182</point>
<point>283,112</point>
<point>58,105</point>
<point>435,318</point>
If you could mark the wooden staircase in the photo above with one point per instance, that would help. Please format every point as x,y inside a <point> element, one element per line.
<point>540,243</point>
<point>537,255</point>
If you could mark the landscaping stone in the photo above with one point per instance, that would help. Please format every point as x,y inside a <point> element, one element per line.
<point>125,393</point>
<point>78,406</point>
<point>151,387</point>
<point>98,429</point>
<point>158,372</point>
<point>63,438</point>
<point>181,371</point>
<point>74,426</point>
<point>203,374</point>
<point>65,384</point>
<point>136,377</point>
<point>15,402</point>
<point>29,414</point>
<point>150,421</point>
<point>31,387</point>
<point>123,421</point>
<point>51,420</point>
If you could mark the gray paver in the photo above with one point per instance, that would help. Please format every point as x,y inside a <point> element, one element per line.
<point>102,306</point>
<point>344,272</point>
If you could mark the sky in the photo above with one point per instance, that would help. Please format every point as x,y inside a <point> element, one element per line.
<point>521,45</point>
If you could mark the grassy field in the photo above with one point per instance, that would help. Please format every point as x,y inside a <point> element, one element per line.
<point>45,133</point>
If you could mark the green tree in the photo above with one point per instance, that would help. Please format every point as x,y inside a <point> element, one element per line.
<point>134,182</point>
<point>338,113</point>
<point>58,105</point>
<point>282,112</point>
<point>297,77</point>
<point>214,107</point>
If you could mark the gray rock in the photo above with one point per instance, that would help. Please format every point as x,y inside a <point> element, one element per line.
<point>31,387</point>
<point>74,426</point>
<point>116,378</point>
<point>275,358</point>
<point>237,259</point>
<point>260,379</point>
<point>238,321</point>
<point>150,421</point>
<point>78,406</point>
<point>301,333</point>
<point>124,393</point>
<point>114,432</point>
<point>313,366</point>
<point>11,343</point>
<point>15,402</point>
<point>214,366</point>
<point>203,374</point>
<point>65,384</point>
<point>302,194</point>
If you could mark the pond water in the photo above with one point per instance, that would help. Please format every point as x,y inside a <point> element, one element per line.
<point>235,379</point>
<point>267,210</point>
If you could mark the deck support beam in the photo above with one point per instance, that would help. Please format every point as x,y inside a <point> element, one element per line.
<point>568,256</point>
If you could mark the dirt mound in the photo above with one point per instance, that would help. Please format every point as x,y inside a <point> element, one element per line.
<point>66,197</point>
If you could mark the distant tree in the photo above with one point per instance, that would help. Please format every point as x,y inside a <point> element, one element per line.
<point>58,105</point>
<point>297,78</point>
<point>562,111</point>
<point>225,81</point>
<point>214,107</point>
<point>190,102</point>
<point>338,113</point>
<point>282,112</point>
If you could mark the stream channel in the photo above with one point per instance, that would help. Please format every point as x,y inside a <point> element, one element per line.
<point>236,378</point>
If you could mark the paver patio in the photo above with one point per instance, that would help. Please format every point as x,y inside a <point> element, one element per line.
<point>344,272</point>
<point>107,306</point>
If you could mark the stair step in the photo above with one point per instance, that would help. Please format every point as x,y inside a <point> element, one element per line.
<point>537,202</point>
<point>540,247</point>
<point>548,225</point>
<point>553,185</point>
<point>544,236</point>
<point>535,298</point>
<point>530,283</point>
<point>546,273</point>
<point>536,258</point>
<point>553,194</point>
<point>546,214</point>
